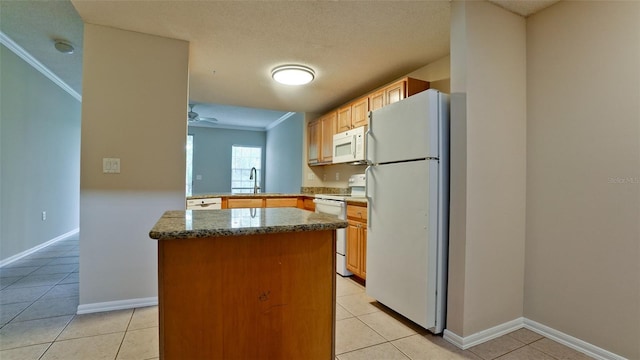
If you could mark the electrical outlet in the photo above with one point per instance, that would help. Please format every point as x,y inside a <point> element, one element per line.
<point>310,176</point>
<point>337,176</point>
<point>111,165</point>
<point>198,177</point>
<point>44,215</point>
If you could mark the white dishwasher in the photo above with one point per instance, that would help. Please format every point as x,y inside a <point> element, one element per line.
<point>204,204</point>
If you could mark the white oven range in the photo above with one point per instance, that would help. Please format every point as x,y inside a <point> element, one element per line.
<point>335,205</point>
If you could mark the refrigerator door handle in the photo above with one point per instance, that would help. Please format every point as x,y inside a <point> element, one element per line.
<point>368,136</point>
<point>366,195</point>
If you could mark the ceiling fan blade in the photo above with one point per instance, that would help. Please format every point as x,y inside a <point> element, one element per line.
<point>208,119</point>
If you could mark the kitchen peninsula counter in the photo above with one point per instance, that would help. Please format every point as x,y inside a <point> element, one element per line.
<point>184,224</point>
<point>246,283</point>
<point>245,195</point>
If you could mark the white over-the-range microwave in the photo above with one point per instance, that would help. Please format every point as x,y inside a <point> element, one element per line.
<point>349,146</point>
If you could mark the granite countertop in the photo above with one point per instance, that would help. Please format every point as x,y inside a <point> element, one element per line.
<point>187,224</point>
<point>244,195</point>
<point>357,200</point>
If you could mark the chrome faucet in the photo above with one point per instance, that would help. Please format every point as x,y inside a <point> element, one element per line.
<point>253,175</point>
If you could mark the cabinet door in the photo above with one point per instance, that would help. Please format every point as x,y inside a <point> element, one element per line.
<point>357,212</point>
<point>360,112</point>
<point>353,248</point>
<point>244,203</point>
<point>395,92</point>
<point>313,141</point>
<point>281,202</point>
<point>328,129</point>
<point>376,100</point>
<point>309,204</point>
<point>344,119</point>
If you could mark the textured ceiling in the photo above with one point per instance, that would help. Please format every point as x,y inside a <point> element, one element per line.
<point>353,46</point>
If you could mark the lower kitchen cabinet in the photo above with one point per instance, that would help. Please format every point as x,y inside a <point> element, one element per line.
<point>357,241</point>
<point>244,203</point>
<point>281,202</point>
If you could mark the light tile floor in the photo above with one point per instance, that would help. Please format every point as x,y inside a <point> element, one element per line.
<point>39,298</point>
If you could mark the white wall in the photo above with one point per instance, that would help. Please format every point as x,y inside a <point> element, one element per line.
<point>39,157</point>
<point>488,167</point>
<point>283,171</point>
<point>134,99</point>
<point>583,175</point>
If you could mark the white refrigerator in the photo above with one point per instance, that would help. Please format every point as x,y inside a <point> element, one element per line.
<point>408,194</point>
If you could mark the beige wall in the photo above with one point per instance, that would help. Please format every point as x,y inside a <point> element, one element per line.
<point>488,167</point>
<point>583,175</point>
<point>134,100</point>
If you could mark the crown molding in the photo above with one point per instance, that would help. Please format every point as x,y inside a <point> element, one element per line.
<point>24,55</point>
<point>281,119</point>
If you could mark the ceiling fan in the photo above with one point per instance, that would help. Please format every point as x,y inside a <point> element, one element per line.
<point>194,117</point>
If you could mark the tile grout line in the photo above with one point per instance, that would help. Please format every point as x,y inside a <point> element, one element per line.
<point>125,334</point>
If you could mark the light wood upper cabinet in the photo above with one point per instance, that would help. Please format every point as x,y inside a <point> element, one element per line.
<point>328,129</point>
<point>314,132</point>
<point>395,92</point>
<point>320,139</point>
<point>353,115</point>
<point>344,119</point>
<point>376,100</point>
<point>360,112</point>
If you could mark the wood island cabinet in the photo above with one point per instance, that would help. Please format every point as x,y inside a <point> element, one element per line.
<point>264,289</point>
<point>357,240</point>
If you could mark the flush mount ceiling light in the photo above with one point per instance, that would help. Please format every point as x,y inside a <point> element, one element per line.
<point>64,46</point>
<point>293,74</point>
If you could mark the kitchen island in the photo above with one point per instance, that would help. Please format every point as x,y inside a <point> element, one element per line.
<point>246,284</point>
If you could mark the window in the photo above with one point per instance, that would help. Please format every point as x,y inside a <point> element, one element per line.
<point>243,159</point>
<point>189,180</point>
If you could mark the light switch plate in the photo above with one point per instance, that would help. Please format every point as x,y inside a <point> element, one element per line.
<point>111,165</point>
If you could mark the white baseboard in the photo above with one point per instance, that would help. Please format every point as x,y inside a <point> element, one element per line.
<point>19,256</point>
<point>558,336</point>
<point>117,305</point>
<point>572,342</point>
<point>484,335</point>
